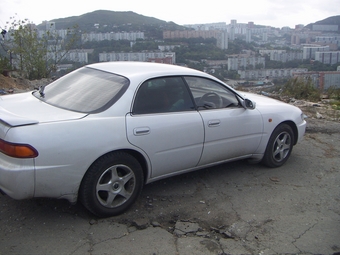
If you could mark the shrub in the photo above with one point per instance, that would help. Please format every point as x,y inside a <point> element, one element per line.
<point>333,92</point>
<point>301,89</point>
<point>4,64</point>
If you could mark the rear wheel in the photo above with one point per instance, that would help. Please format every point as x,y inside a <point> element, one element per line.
<point>112,184</point>
<point>279,147</point>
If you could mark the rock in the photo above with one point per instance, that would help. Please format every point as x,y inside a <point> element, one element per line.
<point>227,234</point>
<point>93,222</point>
<point>178,232</point>
<point>239,229</point>
<point>132,229</point>
<point>318,115</point>
<point>187,227</point>
<point>202,233</point>
<point>155,224</point>
<point>141,223</point>
<point>274,179</point>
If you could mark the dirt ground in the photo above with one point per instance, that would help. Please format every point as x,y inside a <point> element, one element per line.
<point>13,85</point>
<point>234,208</point>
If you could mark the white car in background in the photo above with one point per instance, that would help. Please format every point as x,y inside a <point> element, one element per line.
<point>98,134</point>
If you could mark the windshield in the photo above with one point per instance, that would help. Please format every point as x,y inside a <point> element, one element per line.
<point>85,90</point>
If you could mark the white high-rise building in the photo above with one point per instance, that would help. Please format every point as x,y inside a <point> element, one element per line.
<point>310,50</point>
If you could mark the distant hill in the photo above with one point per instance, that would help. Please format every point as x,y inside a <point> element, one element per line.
<point>111,21</point>
<point>334,20</point>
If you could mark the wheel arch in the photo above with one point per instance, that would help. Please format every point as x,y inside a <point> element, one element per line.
<point>142,161</point>
<point>137,155</point>
<point>294,128</point>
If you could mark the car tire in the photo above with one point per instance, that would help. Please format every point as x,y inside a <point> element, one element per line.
<point>279,147</point>
<point>112,184</point>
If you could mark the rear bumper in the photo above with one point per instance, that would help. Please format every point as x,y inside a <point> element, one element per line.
<point>17,177</point>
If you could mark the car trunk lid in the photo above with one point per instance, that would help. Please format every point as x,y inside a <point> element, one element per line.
<point>34,111</point>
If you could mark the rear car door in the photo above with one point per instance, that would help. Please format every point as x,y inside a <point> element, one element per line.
<point>166,126</point>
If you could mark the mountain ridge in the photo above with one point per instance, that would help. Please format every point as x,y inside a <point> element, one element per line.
<point>333,20</point>
<point>109,21</point>
<point>112,20</point>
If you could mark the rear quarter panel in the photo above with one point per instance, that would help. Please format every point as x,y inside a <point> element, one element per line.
<point>67,149</point>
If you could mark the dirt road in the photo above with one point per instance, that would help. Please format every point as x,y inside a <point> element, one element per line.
<point>234,208</point>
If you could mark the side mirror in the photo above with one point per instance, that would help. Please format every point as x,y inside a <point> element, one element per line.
<point>248,104</point>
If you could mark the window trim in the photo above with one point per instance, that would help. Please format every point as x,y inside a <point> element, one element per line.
<point>222,85</point>
<point>184,85</point>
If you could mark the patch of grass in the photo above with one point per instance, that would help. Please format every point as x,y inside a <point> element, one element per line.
<point>334,92</point>
<point>334,95</point>
<point>301,89</point>
<point>335,105</point>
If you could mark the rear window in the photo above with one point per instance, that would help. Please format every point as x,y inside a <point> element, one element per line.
<point>85,90</point>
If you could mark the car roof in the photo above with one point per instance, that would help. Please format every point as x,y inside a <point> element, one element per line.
<point>142,70</point>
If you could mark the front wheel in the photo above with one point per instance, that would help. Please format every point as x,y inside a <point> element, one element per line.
<point>112,184</point>
<point>279,147</point>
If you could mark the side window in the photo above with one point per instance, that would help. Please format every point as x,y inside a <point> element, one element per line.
<point>160,95</point>
<point>209,94</point>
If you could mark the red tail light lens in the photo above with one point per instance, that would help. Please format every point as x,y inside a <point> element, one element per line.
<point>17,150</point>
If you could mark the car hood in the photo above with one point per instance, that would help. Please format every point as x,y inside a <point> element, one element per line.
<point>261,100</point>
<point>26,109</point>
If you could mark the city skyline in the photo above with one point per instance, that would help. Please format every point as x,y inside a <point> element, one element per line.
<point>276,13</point>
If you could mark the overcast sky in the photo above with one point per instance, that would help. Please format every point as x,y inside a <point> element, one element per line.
<point>277,13</point>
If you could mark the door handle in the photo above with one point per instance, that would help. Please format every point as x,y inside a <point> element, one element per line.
<point>214,123</point>
<point>141,131</point>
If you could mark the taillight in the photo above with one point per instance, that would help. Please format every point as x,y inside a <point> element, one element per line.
<point>17,150</point>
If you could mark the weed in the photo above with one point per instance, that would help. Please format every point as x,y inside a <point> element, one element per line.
<point>301,89</point>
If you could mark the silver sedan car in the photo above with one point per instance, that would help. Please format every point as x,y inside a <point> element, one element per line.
<point>100,133</point>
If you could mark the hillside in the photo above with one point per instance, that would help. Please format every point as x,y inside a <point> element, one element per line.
<point>334,20</point>
<point>112,21</point>
<point>109,21</point>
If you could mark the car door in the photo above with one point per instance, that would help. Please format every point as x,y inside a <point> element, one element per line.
<point>166,126</point>
<point>231,131</point>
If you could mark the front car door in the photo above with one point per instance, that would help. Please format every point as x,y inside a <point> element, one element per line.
<point>231,131</point>
<point>166,126</point>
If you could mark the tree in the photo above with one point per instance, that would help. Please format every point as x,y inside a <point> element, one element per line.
<point>36,55</point>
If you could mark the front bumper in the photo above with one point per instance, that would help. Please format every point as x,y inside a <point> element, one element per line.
<point>301,130</point>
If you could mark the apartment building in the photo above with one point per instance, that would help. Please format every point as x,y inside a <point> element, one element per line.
<point>309,50</point>
<point>220,36</point>
<point>130,36</point>
<point>270,73</point>
<point>222,40</point>
<point>77,55</point>
<point>239,28</point>
<point>138,56</point>
<point>167,47</point>
<point>190,34</point>
<point>248,35</point>
<point>328,57</point>
<point>325,28</point>
<point>80,56</point>
<point>269,52</point>
<point>286,56</point>
<point>245,62</point>
<point>328,40</point>
<point>208,26</point>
